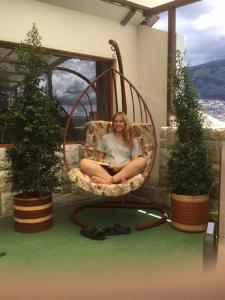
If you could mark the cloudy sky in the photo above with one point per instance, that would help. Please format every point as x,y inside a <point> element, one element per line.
<point>66,86</point>
<point>203,27</point>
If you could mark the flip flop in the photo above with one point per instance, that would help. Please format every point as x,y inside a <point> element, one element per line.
<point>92,233</point>
<point>116,229</point>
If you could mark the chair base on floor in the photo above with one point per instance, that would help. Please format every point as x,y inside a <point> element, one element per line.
<point>125,205</point>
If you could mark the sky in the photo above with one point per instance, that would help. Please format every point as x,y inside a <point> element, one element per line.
<point>203,26</point>
<point>66,86</point>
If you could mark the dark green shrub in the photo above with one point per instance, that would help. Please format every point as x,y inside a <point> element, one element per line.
<point>32,127</point>
<point>189,168</point>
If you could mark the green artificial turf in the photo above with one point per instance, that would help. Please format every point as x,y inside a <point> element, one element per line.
<point>62,247</point>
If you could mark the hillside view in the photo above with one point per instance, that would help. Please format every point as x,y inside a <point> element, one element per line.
<point>209,80</point>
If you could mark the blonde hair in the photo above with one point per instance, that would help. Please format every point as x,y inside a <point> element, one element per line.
<point>128,136</point>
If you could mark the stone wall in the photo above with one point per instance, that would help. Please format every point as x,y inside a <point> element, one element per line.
<point>156,192</point>
<point>68,193</point>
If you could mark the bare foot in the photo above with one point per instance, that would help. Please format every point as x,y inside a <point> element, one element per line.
<point>123,180</point>
<point>97,179</point>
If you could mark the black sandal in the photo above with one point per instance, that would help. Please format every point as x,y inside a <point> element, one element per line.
<point>92,233</point>
<point>116,229</point>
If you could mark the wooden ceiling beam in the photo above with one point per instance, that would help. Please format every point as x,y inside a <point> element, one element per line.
<point>127,18</point>
<point>150,11</point>
<point>171,59</point>
<point>165,7</point>
<point>57,62</point>
<point>6,80</point>
<point>6,56</point>
<point>9,72</point>
<point>128,4</point>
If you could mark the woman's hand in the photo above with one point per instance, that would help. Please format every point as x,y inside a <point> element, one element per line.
<point>116,167</point>
<point>100,157</point>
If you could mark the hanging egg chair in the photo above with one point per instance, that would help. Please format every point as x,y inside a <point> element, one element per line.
<point>142,125</point>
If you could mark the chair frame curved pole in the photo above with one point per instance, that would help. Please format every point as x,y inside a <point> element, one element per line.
<point>119,202</point>
<point>116,48</point>
<point>111,69</point>
<point>74,108</point>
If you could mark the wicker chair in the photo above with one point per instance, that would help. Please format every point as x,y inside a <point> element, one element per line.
<point>95,130</point>
<point>116,195</point>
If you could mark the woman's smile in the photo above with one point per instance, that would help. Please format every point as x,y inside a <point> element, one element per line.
<point>119,124</point>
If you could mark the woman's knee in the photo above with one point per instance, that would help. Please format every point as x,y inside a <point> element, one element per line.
<point>142,162</point>
<point>84,163</point>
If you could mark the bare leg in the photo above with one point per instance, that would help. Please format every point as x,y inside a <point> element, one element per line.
<point>95,171</point>
<point>97,179</point>
<point>100,175</point>
<point>131,169</point>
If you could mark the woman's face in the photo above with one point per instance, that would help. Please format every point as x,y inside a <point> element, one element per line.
<point>118,124</point>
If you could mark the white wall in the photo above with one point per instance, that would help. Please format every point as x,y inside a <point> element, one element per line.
<point>152,68</point>
<point>153,77</point>
<point>144,50</point>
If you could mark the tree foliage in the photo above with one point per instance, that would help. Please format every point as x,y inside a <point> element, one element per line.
<point>189,168</point>
<point>33,130</point>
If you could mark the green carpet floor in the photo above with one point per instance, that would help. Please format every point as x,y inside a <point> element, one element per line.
<point>62,247</point>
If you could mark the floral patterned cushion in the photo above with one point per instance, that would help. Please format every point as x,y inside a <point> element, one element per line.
<point>109,190</point>
<point>95,130</point>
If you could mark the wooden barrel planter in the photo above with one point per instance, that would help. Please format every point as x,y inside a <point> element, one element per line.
<point>32,214</point>
<point>190,213</point>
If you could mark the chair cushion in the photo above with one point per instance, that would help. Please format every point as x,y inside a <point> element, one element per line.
<point>109,190</point>
<point>143,132</point>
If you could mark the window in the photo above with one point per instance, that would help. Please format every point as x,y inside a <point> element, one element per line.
<point>70,76</point>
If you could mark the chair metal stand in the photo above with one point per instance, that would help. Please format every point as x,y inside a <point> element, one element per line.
<point>125,205</point>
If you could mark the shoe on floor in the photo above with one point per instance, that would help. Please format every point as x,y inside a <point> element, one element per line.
<point>116,229</point>
<point>92,233</point>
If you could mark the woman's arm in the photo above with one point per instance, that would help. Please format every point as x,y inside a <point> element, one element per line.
<point>136,152</point>
<point>135,157</point>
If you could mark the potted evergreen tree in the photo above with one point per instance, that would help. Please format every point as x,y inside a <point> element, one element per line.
<point>35,138</point>
<point>189,174</point>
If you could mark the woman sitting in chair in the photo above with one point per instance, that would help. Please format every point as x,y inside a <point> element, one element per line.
<point>120,156</point>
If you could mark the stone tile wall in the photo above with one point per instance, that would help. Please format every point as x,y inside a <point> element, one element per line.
<point>158,193</point>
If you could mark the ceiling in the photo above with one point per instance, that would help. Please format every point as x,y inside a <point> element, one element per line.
<point>99,8</point>
<point>112,9</point>
<point>150,3</point>
<point>123,11</point>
